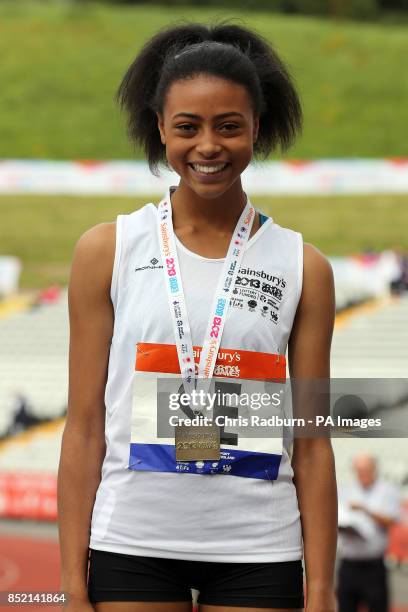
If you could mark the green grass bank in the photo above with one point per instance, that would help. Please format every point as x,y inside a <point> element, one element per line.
<point>43,230</point>
<point>62,62</point>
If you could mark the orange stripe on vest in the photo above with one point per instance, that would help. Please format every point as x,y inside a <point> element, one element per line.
<point>249,365</point>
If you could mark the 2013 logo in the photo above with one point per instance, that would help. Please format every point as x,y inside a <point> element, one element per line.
<point>171,270</point>
<point>219,311</point>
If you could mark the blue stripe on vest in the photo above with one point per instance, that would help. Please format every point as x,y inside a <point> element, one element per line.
<point>162,458</point>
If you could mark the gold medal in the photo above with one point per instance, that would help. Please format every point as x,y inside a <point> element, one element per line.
<point>197,442</point>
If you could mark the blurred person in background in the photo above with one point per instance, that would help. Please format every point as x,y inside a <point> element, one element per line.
<point>23,418</point>
<point>400,283</point>
<point>367,509</point>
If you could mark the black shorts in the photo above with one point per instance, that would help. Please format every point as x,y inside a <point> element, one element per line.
<point>117,577</point>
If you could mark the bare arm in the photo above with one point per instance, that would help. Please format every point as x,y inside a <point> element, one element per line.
<point>83,443</point>
<point>313,460</point>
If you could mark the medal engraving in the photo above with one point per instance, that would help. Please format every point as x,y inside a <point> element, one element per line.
<point>197,442</point>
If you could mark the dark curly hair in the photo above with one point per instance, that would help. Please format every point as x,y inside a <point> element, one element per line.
<point>241,56</point>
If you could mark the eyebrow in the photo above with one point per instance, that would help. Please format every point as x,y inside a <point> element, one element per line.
<point>221,116</point>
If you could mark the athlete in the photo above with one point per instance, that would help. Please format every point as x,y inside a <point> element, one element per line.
<point>200,288</point>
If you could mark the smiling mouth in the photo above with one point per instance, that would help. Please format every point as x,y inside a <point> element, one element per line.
<point>209,170</point>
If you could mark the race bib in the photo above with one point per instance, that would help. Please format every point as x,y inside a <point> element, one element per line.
<point>245,399</point>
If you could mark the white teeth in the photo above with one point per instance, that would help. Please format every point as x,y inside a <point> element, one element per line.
<point>208,169</point>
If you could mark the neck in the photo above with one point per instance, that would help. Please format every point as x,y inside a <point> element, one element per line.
<point>220,213</point>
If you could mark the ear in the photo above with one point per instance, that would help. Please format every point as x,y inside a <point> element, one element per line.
<point>160,125</point>
<point>256,129</point>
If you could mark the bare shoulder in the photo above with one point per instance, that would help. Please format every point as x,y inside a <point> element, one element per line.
<point>94,255</point>
<point>98,240</point>
<point>92,264</point>
<point>317,273</point>
<point>315,264</point>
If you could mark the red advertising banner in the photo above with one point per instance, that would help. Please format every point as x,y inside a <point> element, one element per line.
<point>28,495</point>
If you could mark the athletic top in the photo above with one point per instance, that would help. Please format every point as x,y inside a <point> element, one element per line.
<point>243,508</point>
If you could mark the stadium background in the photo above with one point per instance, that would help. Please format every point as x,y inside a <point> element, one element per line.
<point>61,64</point>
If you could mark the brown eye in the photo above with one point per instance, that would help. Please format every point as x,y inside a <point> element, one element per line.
<point>229,127</point>
<point>185,127</point>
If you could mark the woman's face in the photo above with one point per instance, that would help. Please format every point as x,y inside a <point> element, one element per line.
<point>209,129</point>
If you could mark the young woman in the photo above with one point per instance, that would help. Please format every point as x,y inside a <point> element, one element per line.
<point>202,277</point>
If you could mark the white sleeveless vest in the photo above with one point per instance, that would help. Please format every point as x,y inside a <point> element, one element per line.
<point>241,510</point>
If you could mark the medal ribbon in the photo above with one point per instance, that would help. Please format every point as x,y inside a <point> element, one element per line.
<point>221,300</point>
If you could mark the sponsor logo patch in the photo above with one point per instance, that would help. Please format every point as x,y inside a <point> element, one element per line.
<point>152,265</point>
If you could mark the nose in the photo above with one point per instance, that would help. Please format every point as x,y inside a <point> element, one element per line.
<point>208,145</point>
